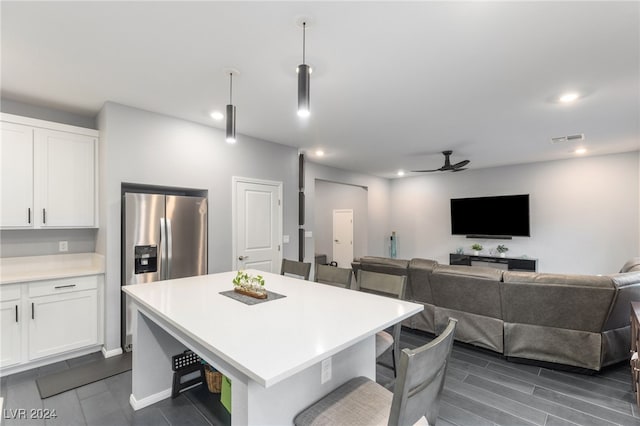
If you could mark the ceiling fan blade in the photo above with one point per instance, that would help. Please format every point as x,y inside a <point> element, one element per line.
<point>460,164</point>
<point>459,169</point>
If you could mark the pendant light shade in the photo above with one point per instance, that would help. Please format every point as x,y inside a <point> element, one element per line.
<point>231,123</point>
<point>231,114</point>
<point>303,90</point>
<point>304,80</point>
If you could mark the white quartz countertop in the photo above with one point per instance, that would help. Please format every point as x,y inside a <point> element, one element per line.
<point>36,268</point>
<point>274,340</point>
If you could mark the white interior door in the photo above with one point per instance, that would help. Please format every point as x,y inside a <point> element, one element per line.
<point>257,224</point>
<point>343,237</point>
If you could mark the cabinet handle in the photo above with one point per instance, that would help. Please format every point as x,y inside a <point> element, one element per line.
<point>33,311</point>
<point>29,215</point>
<point>44,216</point>
<point>65,286</point>
<point>16,313</point>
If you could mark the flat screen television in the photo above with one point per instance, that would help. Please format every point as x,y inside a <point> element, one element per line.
<point>502,216</point>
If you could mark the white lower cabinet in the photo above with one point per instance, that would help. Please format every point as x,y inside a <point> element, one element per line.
<point>47,319</point>
<point>10,333</point>
<point>63,322</point>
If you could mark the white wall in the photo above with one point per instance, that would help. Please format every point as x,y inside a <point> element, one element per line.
<point>331,196</point>
<point>10,106</point>
<point>584,212</point>
<point>378,219</point>
<point>146,148</point>
<point>39,242</point>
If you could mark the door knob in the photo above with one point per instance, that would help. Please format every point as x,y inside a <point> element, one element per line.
<point>243,257</point>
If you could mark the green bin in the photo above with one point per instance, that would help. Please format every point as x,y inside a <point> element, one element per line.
<point>225,393</point>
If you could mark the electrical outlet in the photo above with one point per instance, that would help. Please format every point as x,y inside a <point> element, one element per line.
<point>325,376</point>
<point>285,239</point>
<point>63,246</point>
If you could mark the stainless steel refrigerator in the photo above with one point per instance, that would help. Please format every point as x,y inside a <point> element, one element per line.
<point>163,237</point>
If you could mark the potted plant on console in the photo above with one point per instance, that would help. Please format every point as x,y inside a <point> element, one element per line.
<point>477,248</point>
<point>502,249</point>
<point>249,285</point>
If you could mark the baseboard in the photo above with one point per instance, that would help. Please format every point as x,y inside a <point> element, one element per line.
<point>112,352</point>
<point>28,365</point>
<point>149,400</point>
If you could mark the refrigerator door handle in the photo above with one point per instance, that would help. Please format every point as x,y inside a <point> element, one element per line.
<point>169,248</point>
<point>163,251</point>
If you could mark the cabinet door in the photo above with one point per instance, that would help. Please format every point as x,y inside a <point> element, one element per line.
<point>16,176</point>
<point>63,322</point>
<point>10,333</point>
<point>65,179</point>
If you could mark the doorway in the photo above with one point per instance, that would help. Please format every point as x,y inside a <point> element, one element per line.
<point>330,196</point>
<point>257,224</point>
<point>343,237</point>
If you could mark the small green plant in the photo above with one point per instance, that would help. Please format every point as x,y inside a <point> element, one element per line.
<point>502,248</point>
<point>249,282</point>
<point>476,247</point>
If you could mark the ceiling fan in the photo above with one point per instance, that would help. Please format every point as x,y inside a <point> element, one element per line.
<point>448,167</point>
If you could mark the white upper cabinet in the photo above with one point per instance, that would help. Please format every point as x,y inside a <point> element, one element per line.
<point>65,173</point>
<point>16,178</point>
<point>49,175</point>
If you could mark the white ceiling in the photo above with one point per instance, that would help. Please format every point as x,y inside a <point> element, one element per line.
<point>393,83</point>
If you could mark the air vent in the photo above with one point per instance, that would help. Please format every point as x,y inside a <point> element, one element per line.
<point>569,138</point>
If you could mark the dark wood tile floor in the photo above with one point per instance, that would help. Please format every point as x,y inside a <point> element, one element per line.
<point>481,389</point>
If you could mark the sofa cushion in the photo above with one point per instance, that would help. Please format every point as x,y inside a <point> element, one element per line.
<point>628,290</point>
<point>574,302</point>
<point>470,271</point>
<point>631,265</point>
<point>558,279</point>
<point>467,289</point>
<point>381,262</point>
<point>419,280</point>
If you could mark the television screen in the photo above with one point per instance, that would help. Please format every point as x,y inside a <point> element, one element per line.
<point>506,216</point>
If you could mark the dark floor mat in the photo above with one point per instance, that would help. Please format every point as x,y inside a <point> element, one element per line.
<point>81,375</point>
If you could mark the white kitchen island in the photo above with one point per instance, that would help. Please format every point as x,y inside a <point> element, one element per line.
<point>273,352</point>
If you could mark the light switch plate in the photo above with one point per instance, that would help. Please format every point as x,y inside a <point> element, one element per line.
<point>285,239</point>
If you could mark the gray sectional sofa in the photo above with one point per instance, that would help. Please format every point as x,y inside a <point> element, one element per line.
<point>578,321</point>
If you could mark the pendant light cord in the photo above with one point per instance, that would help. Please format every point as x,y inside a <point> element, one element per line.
<point>231,88</point>
<point>304,27</point>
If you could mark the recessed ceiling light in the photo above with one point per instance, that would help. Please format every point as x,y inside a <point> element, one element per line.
<point>217,115</point>
<point>400,173</point>
<point>319,153</point>
<point>568,97</point>
<point>580,151</point>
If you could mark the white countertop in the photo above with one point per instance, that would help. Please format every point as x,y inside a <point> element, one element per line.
<point>274,340</point>
<point>36,268</point>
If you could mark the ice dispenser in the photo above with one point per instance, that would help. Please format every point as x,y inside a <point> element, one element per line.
<point>146,259</point>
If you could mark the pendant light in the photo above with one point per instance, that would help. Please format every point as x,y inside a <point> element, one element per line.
<point>231,114</point>
<point>304,72</point>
